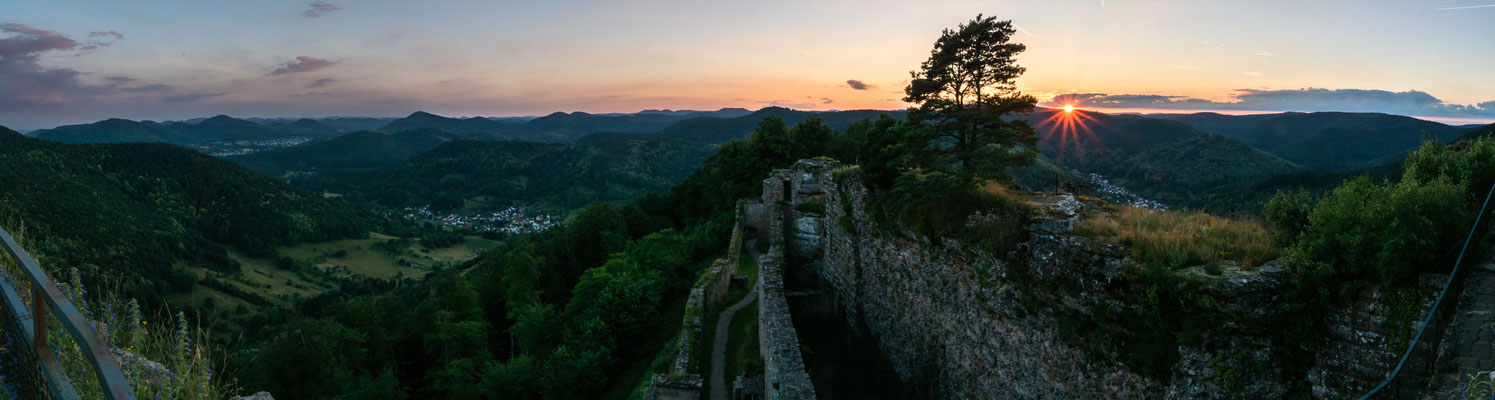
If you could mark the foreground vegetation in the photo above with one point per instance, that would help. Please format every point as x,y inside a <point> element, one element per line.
<point>1382,234</point>
<point>1363,234</point>
<point>162,357</point>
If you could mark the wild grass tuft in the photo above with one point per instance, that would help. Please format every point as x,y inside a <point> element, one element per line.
<point>1175,239</point>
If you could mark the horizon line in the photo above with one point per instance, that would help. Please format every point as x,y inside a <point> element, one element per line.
<point>1451,121</point>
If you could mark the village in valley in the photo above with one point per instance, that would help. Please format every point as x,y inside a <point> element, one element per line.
<point>509,221</point>
<point>237,148</point>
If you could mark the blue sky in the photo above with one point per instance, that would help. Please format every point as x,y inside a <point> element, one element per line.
<point>79,61</point>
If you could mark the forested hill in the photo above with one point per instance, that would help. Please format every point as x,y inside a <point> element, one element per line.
<point>216,129</point>
<point>1483,131</point>
<point>484,175</point>
<point>130,213</point>
<point>358,150</point>
<point>1325,140</point>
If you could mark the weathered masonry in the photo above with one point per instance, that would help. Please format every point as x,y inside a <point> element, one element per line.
<point>784,375</point>
<point>957,322</point>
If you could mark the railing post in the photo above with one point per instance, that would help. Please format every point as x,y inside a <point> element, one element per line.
<point>46,299</point>
<point>39,318</point>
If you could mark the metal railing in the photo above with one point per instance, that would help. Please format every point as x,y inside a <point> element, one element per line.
<point>47,379</point>
<point>1427,322</point>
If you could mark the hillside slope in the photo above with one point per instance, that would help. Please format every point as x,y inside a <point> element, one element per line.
<point>132,212</point>
<point>485,175</point>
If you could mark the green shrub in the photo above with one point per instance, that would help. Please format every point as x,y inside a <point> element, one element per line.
<point>939,206</point>
<point>1383,232</point>
<point>1288,213</point>
<point>1469,162</point>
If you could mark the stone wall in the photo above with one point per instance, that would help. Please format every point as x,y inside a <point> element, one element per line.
<point>684,380</point>
<point>1468,345</point>
<point>755,215</point>
<point>718,279</point>
<point>1357,352</point>
<point>944,330</point>
<point>960,322</point>
<point>784,375</point>
<point>956,321</point>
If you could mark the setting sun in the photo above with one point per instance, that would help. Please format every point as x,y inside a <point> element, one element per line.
<point>1069,108</point>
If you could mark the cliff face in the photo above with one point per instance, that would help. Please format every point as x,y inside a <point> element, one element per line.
<point>945,318</point>
<point>959,322</point>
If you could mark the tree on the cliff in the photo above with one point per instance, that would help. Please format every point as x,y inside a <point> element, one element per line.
<point>963,92</point>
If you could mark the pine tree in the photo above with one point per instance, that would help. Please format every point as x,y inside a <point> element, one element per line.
<point>963,92</point>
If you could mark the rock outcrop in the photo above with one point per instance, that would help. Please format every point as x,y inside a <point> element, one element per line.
<point>256,396</point>
<point>957,321</point>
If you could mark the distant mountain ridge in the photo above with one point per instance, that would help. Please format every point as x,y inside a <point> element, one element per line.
<point>221,128</point>
<point>558,127</point>
<point>1324,140</point>
<point>357,150</point>
<point>713,130</point>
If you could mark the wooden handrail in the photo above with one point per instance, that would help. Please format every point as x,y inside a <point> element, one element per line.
<point>47,298</point>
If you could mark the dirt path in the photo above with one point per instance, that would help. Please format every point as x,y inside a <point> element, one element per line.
<point>723,322</point>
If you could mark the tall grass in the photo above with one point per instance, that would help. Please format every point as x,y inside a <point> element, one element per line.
<point>166,359</point>
<point>1176,239</point>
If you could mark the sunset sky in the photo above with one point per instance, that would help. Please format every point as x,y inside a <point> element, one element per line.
<point>64,62</point>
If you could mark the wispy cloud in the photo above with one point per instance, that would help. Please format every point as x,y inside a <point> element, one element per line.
<point>1251,73</point>
<point>1263,53</point>
<point>320,8</point>
<point>858,85</point>
<point>1188,67</point>
<point>1031,33</point>
<point>157,88</point>
<point>116,35</point>
<point>826,100</point>
<point>302,64</point>
<point>24,81</point>
<point>320,82</point>
<point>94,44</point>
<point>1410,102</point>
<point>1463,8</point>
<point>187,98</point>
